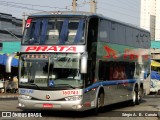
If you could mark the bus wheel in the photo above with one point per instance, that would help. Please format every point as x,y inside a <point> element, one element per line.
<point>135,97</point>
<point>133,102</point>
<point>141,93</point>
<point>100,103</point>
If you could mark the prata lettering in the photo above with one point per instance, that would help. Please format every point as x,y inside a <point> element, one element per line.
<point>51,49</point>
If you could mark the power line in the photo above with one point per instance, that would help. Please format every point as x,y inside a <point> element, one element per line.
<point>116,6</point>
<point>138,18</point>
<point>21,7</point>
<point>102,2</point>
<point>120,13</point>
<point>14,4</point>
<point>132,2</point>
<point>130,5</point>
<point>33,5</point>
<point>83,3</point>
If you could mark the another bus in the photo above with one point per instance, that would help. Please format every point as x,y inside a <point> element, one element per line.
<point>80,61</point>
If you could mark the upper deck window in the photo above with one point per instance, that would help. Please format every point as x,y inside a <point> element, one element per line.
<point>54,31</point>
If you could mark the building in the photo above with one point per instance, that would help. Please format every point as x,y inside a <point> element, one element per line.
<point>150,20</point>
<point>10,28</point>
<point>150,17</point>
<point>10,35</point>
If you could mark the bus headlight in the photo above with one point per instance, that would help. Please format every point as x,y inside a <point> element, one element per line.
<point>26,97</point>
<point>72,98</point>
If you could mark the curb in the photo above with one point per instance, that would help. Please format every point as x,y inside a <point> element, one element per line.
<point>152,96</point>
<point>8,96</point>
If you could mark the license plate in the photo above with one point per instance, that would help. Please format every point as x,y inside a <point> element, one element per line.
<point>47,105</point>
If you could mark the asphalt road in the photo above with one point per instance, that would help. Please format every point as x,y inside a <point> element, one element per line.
<point>149,106</point>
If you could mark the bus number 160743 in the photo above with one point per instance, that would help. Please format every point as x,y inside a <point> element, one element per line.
<point>70,92</point>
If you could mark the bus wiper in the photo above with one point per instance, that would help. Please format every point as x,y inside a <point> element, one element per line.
<point>32,84</point>
<point>66,85</point>
<point>35,85</point>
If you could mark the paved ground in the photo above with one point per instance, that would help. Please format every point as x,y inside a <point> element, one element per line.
<point>8,95</point>
<point>149,104</point>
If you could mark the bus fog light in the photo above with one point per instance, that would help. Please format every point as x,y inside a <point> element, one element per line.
<point>20,105</point>
<point>71,98</point>
<point>77,106</point>
<point>26,97</point>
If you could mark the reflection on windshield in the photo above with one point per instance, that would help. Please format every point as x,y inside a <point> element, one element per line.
<point>54,31</point>
<point>57,70</point>
<point>35,72</point>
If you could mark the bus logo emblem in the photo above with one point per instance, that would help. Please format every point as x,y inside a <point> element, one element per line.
<point>47,96</point>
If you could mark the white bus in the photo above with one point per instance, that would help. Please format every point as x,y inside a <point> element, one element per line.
<point>80,61</point>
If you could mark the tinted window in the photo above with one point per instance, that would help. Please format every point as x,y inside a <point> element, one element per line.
<point>54,31</point>
<point>121,34</point>
<point>116,70</point>
<point>104,30</point>
<point>114,33</point>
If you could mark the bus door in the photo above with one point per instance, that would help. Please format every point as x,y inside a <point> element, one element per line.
<point>91,49</point>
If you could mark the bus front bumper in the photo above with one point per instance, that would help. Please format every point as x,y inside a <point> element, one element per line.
<point>50,105</point>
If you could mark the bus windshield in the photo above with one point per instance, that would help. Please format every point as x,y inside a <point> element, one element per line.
<point>52,31</point>
<point>50,71</point>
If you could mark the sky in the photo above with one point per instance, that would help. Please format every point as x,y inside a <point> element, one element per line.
<point>127,11</point>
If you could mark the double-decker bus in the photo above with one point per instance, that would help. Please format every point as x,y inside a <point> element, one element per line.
<point>80,61</point>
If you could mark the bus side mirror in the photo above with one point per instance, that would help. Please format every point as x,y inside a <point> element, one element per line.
<point>84,59</point>
<point>9,62</point>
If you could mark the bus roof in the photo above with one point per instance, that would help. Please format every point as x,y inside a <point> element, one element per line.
<point>81,13</point>
<point>65,13</point>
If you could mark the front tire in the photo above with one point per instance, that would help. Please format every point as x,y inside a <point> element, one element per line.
<point>99,103</point>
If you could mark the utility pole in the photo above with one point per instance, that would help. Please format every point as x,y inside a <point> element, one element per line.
<point>93,5</point>
<point>74,5</point>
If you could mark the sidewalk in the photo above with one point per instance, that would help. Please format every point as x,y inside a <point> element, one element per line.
<point>8,95</point>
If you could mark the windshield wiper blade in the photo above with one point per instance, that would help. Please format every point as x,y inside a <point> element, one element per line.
<point>66,85</point>
<point>35,85</point>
